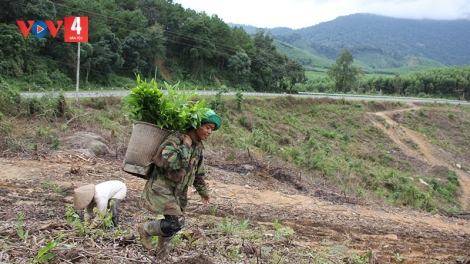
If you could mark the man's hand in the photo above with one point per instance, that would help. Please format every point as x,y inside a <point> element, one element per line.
<point>206,200</point>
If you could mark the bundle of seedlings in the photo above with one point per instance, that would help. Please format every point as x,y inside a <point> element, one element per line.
<point>173,110</point>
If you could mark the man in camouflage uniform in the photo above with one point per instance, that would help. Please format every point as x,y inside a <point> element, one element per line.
<point>179,163</point>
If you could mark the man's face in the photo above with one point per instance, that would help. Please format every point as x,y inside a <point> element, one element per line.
<point>205,130</point>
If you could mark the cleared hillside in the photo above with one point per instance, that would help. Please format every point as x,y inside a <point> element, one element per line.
<point>292,180</point>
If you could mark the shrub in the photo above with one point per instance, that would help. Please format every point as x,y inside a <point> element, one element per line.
<point>9,99</point>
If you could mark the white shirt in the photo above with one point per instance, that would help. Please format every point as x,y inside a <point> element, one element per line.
<point>103,193</point>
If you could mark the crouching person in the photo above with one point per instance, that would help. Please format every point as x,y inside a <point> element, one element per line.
<point>90,196</point>
<point>179,164</point>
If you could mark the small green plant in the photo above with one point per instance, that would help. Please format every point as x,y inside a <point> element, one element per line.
<point>233,252</point>
<point>399,257</point>
<point>6,128</point>
<point>120,232</point>
<point>213,209</point>
<point>243,120</point>
<point>46,185</point>
<point>225,226</point>
<point>231,226</point>
<point>282,231</point>
<point>177,239</point>
<point>218,105</point>
<point>244,223</point>
<point>71,215</point>
<point>259,138</point>
<point>55,143</point>
<point>361,260</point>
<point>360,192</point>
<point>43,254</point>
<point>20,231</point>
<point>53,188</point>
<point>73,219</point>
<point>239,96</point>
<point>105,219</point>
<point>189,238</point>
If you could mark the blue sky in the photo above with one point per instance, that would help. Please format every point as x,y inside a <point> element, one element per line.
<point>297,14</point>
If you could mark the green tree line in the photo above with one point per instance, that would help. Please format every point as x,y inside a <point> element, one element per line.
<point>344,77</point>
<point>129,37</point>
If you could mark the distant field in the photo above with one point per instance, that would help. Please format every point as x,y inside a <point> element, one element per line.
<point>315,74</point>
<point>322,74</point>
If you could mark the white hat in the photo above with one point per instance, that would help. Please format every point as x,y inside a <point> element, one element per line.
<point>83,196</point>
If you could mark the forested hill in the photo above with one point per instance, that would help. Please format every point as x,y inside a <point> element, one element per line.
<point>440,40</point>
<point>128,38</point>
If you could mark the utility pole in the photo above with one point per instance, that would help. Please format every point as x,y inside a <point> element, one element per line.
<point>155,75</point>
<point>78,73</point>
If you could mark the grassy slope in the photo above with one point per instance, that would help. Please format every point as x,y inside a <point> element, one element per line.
<point>334,141</point>
<point>307,59</point>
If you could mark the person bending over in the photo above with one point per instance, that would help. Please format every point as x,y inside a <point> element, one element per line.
<point>90,196</point>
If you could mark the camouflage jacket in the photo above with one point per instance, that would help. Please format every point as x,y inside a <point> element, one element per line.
<point>177,166</point>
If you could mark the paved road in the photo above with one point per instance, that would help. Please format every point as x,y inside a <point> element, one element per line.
<point>301,95</point>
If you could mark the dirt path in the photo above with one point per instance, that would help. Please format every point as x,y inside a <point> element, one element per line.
<point>385,231</point>
<point>165,72</point>
<point>425,151</point>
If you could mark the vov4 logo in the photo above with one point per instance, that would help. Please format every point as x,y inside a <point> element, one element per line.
<point>75,28</point>
<point>39,28</point>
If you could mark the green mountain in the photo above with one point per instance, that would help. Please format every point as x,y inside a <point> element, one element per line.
<point>307,59</point>
<point>382,42</point>
<point>315,63</point>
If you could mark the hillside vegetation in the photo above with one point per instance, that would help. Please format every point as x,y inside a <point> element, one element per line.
<point>292,181</point>
<point>335,142</point>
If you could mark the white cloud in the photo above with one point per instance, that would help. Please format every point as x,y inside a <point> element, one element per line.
<point>304,13</point>
<point>419,9</point>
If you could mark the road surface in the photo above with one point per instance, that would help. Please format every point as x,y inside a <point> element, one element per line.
<point>121,93</point>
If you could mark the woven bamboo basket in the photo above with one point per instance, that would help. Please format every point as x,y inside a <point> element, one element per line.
<point>143,145</point>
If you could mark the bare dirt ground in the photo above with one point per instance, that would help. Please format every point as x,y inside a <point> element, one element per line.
<point>425,151</point>
<point>245,188</point>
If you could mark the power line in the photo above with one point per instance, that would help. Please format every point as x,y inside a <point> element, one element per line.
<point>86,12</point>
<point>167,32</point>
